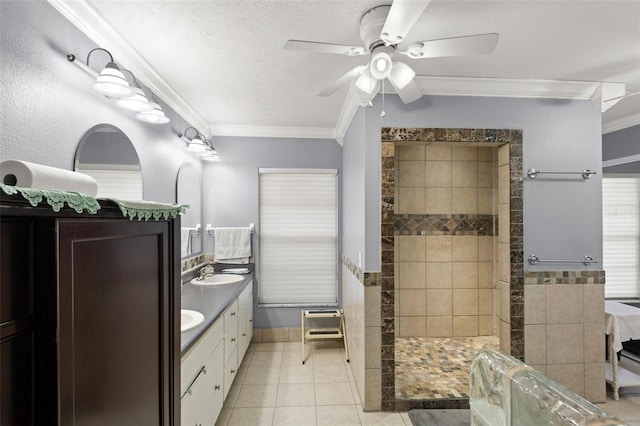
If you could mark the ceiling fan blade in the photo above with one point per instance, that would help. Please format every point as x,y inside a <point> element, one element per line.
<point>315,46</point>
<point>409,93</point>
<point>478,44</point>
<point>345,79</point>
<point>367,83</point>
<point>402,17</point>
<point>401,74</point>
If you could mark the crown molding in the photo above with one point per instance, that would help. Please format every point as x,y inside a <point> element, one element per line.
<point>273,131</point>
<point>621,123</point>
<point>355,98</point>
<point>622,160</point>
<point>504,87</point>
<point>88,20</point>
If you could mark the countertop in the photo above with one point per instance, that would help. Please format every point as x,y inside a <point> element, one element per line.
<point>211,301</point>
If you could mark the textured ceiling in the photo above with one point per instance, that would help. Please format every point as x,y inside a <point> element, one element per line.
<point>225,58</point>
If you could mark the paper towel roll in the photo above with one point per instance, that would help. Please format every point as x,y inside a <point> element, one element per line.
<point>31,175</point>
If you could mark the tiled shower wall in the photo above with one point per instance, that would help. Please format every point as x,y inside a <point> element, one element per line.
<point>445,221</point>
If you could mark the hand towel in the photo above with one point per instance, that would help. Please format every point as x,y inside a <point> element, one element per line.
<point>37,176</point>
<point>232,245</point>
<point>185,242</point>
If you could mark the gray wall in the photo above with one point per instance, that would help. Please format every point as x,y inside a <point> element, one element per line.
<point>353,187</point>
<point>619,144</point>
<point>48,103</point>
<point>231,193</point>
<point>562,217</point>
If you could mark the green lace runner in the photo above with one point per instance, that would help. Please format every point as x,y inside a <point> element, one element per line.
<point>145,210</point>
<point>142,210</point>
<point>56,199</point>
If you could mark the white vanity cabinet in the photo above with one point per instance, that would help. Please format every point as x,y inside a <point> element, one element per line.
<point>210,366</point>
<point>202,379</point>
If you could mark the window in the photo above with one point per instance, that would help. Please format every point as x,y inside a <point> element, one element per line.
<point>298,237</point>
<point>621,235</point>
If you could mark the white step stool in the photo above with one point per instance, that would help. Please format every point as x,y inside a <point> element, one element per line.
<point>339,332</point>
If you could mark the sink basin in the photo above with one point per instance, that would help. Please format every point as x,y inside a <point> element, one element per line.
<point>189,319</point>
<point>219,279</point>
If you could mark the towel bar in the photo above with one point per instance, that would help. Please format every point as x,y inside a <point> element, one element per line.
<point>586,260</point>
<point>586,173</point>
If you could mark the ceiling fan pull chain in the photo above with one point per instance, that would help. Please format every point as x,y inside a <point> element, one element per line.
<point>382,114</point>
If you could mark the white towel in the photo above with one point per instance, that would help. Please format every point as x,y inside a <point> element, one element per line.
<point>232,245</point>
<point>185,241</point>
<point>31,175</point>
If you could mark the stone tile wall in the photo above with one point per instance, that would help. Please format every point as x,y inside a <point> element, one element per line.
<point>564,329</point>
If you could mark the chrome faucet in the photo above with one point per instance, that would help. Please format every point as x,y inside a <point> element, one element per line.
<point>206,271</point>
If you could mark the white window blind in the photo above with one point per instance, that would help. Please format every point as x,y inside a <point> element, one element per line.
<point>123,184</point>
<point>298,237</point>
<point>621,235</point>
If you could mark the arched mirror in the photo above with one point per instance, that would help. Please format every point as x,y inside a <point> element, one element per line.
<point>107,154</point>
<point>188,191</point>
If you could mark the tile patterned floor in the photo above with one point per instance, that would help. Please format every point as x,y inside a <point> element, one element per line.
<point>437,367</point>
<point>274,388</point>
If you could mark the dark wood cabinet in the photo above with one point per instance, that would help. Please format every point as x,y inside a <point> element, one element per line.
<point>89,318</point>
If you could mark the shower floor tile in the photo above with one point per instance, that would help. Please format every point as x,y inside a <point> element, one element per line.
<point>437,367</point>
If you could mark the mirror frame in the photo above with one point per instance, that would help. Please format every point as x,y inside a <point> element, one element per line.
<point>181,171</point>
<point>83,144</point>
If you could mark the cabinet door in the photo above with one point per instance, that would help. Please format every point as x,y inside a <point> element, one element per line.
<point>243,342</point>
<point>193,404</point>
<point>17,323</point>
<point>117,348</point>
<point>230,370</point>
<point>215,386</point>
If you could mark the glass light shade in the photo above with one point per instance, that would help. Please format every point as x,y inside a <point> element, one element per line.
<point>196,145</point>
<point>401,75</point>
<point>155,116</point>
<point>111,82</point>
<point>380,65</point>
<point>210,156</point>
<point>138,102</point>
<point>366,82</point>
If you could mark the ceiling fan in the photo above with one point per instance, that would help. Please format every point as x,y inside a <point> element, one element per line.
<point>382,29</point>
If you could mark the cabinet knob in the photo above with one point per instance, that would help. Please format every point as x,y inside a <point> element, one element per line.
<point>233,339</point>
<point>233,371</point>
<point>250,320</point>
<point>217,387</point>
<point>244,334</point>
<point>233,314</point>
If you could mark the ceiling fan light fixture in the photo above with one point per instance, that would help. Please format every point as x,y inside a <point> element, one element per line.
<point>401,75</point>
<point>365,82</point>
<point>381,63</point>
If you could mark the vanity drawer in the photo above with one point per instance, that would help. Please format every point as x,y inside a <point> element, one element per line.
<point>246,296</point>
<point>230,339</point>
<point>230,314</point>
<point>197,356</point>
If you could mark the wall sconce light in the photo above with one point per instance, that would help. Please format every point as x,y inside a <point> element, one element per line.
<point>196,143</point>
<point>137,102</point>
<point>111,82</point>
<point>154,116</point>
<point>210,153</point>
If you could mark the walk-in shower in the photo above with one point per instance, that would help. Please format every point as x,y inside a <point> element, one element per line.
<point>451,193</point>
